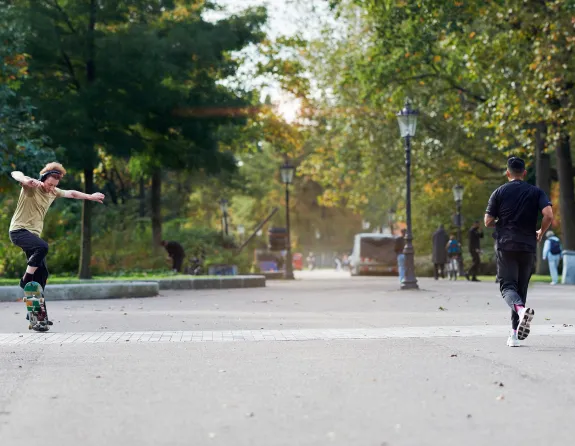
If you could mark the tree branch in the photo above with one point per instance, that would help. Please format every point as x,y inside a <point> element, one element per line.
<point>70,67</point>
<point>55,4</point>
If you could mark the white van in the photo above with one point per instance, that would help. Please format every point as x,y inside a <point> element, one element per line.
<point>373,253</point>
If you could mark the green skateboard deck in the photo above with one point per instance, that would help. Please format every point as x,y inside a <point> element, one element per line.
<point>36,307</point>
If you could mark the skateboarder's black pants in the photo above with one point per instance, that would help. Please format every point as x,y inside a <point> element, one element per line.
<point>514,270</point>
<point>36,250</point>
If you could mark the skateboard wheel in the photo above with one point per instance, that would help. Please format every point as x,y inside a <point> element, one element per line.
<point>29,326</point>
<point>41,300</point>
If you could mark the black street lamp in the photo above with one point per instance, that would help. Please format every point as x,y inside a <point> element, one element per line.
<point>287,173</point>
<point>407,119</point>
<point>458,197</point>
<point>224,208</point>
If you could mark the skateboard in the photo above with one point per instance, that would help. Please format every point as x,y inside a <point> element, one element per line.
<point>36,306</point>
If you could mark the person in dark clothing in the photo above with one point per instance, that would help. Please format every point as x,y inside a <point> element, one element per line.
<point>475,235</point>
<point>176,253</point>
<point>399,245</point>
<point>439,255</point>
<point>513,209</point>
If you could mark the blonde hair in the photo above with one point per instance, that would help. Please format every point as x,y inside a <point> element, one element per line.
<point>54,166</point>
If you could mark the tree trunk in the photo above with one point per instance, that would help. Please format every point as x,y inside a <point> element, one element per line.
<point>156,208</point>
<point>543,181</point>
<point>86,240</point>
<point>566,192</point>
<point>142,208</point>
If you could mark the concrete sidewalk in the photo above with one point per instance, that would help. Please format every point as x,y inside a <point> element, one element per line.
<point>321,361</point>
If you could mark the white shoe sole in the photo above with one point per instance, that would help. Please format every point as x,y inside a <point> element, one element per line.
<point>510,343</point>
<point>524,327</point>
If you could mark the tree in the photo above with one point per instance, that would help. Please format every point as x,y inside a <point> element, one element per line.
<point>121,77</point>
<point>22,142</point>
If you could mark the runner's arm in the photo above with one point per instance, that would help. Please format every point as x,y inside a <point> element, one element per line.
<point>489,221</point>
<point>492,211</point>
<point>99,197</point>
<point>547,220</point>
<point>24,180</point>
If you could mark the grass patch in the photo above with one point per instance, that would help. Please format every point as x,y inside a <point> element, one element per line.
<point>534,279</point>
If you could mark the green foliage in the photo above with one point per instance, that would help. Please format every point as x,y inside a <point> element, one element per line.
<point>134,76</point>
<point>118,250</point>
<point>22,141</point>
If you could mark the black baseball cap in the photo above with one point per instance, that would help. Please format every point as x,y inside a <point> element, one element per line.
<point>516,164</point>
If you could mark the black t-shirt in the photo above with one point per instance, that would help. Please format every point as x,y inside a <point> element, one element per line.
<point>175,250</point>
<point>517,205</point>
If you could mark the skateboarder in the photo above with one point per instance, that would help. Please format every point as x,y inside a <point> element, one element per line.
<point>513,210</point>
<point>27,223</point>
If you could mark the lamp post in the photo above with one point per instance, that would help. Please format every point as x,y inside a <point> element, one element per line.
<point>458,197</point>
<point>407,120</point>
<point>287,173</point>
<point>224,209</point>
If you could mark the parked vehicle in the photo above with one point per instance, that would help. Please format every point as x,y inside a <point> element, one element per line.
<point>373,254</point>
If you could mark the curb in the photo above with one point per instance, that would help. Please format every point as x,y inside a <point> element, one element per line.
<point>142,288</point>
<point>87,291</point>
<point>228,282</point>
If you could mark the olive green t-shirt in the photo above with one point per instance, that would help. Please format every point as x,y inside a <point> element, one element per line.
<point>32,207</point>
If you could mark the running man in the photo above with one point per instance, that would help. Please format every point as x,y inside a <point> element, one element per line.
<point>26,226</point>
<point>513,210</point>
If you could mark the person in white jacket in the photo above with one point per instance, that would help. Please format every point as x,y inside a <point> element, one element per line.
<point>552,253</point>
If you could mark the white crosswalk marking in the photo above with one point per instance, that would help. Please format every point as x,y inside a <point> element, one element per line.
<point>327,334</point>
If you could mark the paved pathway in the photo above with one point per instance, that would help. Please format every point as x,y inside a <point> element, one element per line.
<point>365,364</point>
<point>497,331</point>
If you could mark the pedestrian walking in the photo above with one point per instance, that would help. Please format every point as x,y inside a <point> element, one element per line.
<point>513,210</point>
<point>552,250</point>
<point>439,253</point>
<point>475,235</point>
<point>399,246</point>
<point>453,249</point>
<point>337,261</point>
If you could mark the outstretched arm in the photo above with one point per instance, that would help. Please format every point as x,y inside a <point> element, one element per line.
<point>99,197</point>
<point>24,180</point>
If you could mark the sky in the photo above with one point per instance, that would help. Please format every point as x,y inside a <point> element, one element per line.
<point>286,17</point>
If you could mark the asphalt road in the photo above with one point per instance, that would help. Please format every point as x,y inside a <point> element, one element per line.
<point>324,360</point>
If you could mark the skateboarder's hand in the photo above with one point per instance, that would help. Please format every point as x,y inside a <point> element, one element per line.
<point>33,183</point>
<point>539,235</point>
<point>98,197</point>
